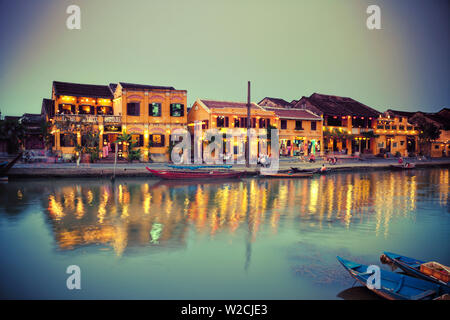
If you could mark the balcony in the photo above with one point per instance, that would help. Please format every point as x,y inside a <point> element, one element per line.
<point>89,118</point>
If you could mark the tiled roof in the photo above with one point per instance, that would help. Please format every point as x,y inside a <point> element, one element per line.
<point>135,86</point>
<point>338,106</point>
<point>399,113</point>
<point>291,113</point>
<point>276,102</point>
<point>113,87</point>
<point>47,106</point>
<point>82,90</point>
<point>31,118</point>
<point>227,104</point>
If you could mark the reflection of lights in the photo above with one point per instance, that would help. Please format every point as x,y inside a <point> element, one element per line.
<point>55,208</point>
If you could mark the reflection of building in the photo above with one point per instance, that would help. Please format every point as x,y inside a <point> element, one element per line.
<point>148,113</point>
<point>300,130</point>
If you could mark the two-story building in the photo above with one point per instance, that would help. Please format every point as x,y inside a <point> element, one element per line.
<point>224,115</point>
<point>300,131</point>
<point>396,135</point>
<point>347,124</point>
<point>148,113</point>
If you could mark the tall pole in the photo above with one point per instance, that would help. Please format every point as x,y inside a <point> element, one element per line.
<point>247,158</point>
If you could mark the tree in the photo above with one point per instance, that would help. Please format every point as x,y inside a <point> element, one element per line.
<point>129,146</point>
<point>428,132</point>
<point>13,132</point>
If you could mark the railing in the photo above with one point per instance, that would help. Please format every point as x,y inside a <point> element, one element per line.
<point>88,118</point>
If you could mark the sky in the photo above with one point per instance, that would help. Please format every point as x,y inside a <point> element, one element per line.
<point>211,48</point>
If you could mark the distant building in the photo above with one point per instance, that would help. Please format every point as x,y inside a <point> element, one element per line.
<point>441,119</point>
<point>347,124</point>
<point>300,131</point>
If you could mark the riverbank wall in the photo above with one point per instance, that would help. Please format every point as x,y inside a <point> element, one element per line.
<point>28,171</point>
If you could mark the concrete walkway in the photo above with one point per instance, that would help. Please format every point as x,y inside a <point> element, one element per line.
<point>39,170</point>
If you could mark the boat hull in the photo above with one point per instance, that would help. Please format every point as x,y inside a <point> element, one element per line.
<point>395,286</point>
<point>184,175</point>
<point>411,266</point>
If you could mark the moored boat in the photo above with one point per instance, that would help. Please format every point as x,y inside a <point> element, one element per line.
<point>395,286</point>
<point>288,175</point>
<point>5,166</point>
<point>406,166</point>
<point>200,166</point>
<point>418,268</point>
<point>188,175</point>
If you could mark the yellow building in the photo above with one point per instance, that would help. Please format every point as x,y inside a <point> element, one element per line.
<point>396,135</point>
<point>300,131</point>
<point>226,115</point>
<point>148,113</point>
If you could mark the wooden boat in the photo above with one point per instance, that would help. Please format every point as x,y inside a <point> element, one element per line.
<point>188,175</point>
<point>200,166</point>
<point>316,171</point>
<point>408,166</point>
<point>288,175</point>
<point>5,167</point>
<point>395,286</point>
<point>416,268</point>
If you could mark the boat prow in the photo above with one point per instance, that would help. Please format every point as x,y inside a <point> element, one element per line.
<point>394,286</point>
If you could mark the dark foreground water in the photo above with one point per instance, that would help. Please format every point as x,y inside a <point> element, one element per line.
<point>249,239</point>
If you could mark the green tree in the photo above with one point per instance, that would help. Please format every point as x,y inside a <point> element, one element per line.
<point>13,132</point>
<point>428,132</point>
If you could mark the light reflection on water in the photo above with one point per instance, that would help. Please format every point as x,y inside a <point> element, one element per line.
<point>309,218</point>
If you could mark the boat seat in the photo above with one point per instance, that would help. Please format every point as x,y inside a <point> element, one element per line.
<point>423,295</point>
<point>400,284</point>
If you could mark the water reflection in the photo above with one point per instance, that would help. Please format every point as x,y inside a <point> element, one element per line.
<point>135,213</point>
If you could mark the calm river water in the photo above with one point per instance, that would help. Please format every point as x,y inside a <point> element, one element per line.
<point>247,239</point>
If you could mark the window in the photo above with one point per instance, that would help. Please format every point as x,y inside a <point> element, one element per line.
<point>394,127</point>
<point>335,121</point>
<point>65,108</point>
<point>298,125</point>
<point>402,143</point>
<point>205,124</point>
<point>400,119</point>
<point>65,140</point>
<point>176,110</point>
<point>242,122</point>
<point>313,125</point>
<point>104,110</point>
<point>262,123</point>
<point>283,124</point>
<point>401,127</point>
<point>387,127</point>
<point>138,138</point>
<point>409,128</point>
<point>236,122</point>
<point>157,140</point>
<point>253,122</point>
<point>154,109</point>
<point>436,146</point>
<point>380,127</point>
<point>133,109</point>
<point>86,109</point>
<point>222,122</point>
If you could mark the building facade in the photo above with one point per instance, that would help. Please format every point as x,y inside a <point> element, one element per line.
<point>300,131</point>
<point>147,113</point>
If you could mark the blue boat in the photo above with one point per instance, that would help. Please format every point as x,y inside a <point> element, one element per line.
<point>199,166</point>
<point>411,266</point>
<point>395,286</point>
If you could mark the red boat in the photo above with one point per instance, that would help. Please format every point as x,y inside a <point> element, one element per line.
<point>187,175</point>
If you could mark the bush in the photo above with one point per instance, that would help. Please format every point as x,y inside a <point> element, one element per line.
<point>398,154</point>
